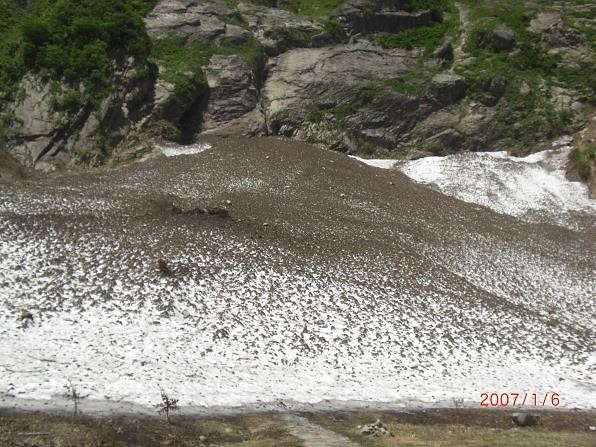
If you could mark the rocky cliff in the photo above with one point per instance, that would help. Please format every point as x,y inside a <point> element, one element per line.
<point>410,77</point>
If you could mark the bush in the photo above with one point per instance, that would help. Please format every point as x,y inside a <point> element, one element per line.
<point>75,41</point>
<point>583,160</point>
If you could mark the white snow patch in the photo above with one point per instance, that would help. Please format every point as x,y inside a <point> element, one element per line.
<point>173,150</point>
<point>377,162</point>
<point>523,187</point>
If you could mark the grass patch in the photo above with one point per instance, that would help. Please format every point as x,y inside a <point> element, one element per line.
<point>521,120</point>
<point>312,8</point>
<point>182,61</point>
<point>583,161</point>
<point>413,83</point>
<point>426,37</point>
<point>465,428</point>
<point>245,431</point>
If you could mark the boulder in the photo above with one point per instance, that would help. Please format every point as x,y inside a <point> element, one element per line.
<point>524,89</point>
<point>502,38</point>
<point>525,419</point>
<point>498,87</point>
<point>447,88</point>
<point>376,429</point>
<point>444,52</point>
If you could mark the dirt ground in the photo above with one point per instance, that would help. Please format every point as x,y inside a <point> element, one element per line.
<point>419,428</point>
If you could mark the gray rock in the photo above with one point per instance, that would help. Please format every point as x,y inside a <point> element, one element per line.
<point>232,90</point>
<point>337,77</point>
<point>498,87</point>
<point>35,118</point>
<point>374,16</point>
<point>447,88</point>
<point>188,19</point>
<point>524,89</point>
<point>444,52</point>
<point>376,429</point>
<point>234,35</point>
<point>25,315</point>
<point>560,36</point>
<point>525,419</point>
<point>502,38</point>
<point>435,124</point>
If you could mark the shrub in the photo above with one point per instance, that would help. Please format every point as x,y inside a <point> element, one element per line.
<point>583,160</point>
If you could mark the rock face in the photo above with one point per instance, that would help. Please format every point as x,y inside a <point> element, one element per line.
<point>324,82</point>
<point>447,88</point>
<point>188,19</point>
<point>502,38</point>
<point>367,16</point>
<point>232,90</point>
<point>46,136</point>
<point>36,118</point>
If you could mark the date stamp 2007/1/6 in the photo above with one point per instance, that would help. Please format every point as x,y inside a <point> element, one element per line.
<point>549,399</point>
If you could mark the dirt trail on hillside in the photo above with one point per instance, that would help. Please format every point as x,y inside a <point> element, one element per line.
<point>313,435</point>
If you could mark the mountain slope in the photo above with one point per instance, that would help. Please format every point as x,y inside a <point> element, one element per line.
<point>390,291</point>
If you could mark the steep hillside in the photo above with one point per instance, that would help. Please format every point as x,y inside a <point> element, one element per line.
<point>97,81</point>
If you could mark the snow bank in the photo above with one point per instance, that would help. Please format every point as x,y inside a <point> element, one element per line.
<point>533,187</point>
<point>173,150</point>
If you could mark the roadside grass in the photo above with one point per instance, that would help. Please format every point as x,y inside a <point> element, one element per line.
<point>50,430</point>
<point>489,429</point>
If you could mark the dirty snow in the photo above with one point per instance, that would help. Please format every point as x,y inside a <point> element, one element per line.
<point>250,323</point>
<point>376,162</point>
<point>533,188</point>
<point>173,150</point>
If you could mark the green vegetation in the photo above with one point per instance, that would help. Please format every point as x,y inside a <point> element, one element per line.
<point>182,61</point>
<point>77,44</point>
<point>521,119</point>
<point>309,8</point>
<point>412,83</point>
<point>73,41</point>
<point>583,161</point>
<point>426,37</point>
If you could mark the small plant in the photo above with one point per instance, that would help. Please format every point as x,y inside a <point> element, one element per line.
<point>583,160</point>
<point>73,394</point>
<point>458,404</point>
<point>167,404</point>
